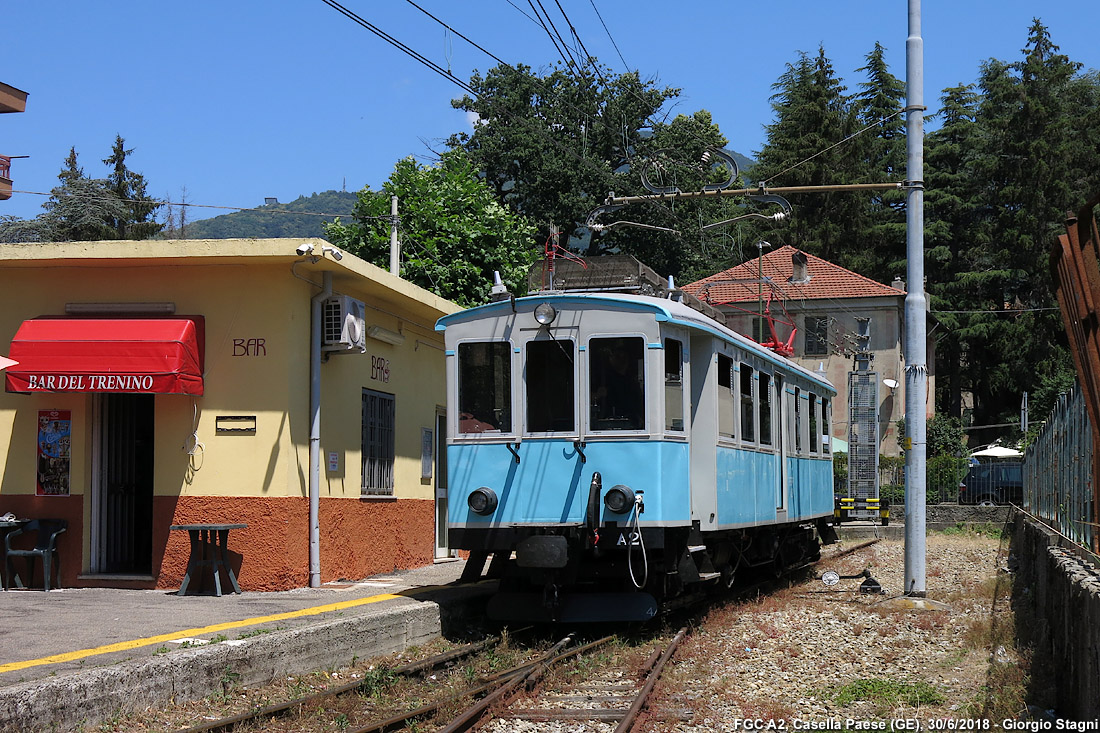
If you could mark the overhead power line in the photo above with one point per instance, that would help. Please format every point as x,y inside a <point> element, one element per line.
<point>398,44</point>
<point>158,202</point>
<point>626,66</point>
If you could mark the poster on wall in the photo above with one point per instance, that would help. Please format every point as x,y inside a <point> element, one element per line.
<point>54,443</point>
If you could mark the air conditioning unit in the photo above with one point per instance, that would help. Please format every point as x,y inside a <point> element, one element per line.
<point>342,324</point>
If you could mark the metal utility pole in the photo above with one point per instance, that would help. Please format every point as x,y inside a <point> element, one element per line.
<point>916,359</point>
<point>395,246</point>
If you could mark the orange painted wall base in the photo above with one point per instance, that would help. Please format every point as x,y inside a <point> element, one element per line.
<point>358,538</point>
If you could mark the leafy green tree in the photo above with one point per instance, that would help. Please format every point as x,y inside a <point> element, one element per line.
<point>454,232</point>
<point>553,147</point>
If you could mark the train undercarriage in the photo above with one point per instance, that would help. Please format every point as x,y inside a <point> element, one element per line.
<point>613,573</point>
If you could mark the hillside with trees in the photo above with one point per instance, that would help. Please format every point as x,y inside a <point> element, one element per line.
<point>305,216</point>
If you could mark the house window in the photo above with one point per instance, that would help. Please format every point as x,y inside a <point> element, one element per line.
<point>760,330</point>
<point>817,335</point>
<point>378,443</point>
<point>550,387</point>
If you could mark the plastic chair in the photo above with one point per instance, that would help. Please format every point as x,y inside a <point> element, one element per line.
<point>45,547</point>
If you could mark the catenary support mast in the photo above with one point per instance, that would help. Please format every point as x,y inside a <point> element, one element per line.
<point>916,308</point>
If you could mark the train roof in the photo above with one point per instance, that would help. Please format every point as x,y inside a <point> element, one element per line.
<point>663,310</point>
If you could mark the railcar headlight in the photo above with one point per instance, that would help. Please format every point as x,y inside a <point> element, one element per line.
<point>545,314</point>
<point>619,499</point>
<point>482,501</point>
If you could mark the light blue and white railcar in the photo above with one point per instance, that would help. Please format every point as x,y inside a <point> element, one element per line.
<point>612,452</point>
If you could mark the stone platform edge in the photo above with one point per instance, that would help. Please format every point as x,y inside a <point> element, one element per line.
<point>88,697</point>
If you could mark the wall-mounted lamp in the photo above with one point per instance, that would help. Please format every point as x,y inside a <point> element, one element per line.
<point>384,334</point>
<point>891,384</point>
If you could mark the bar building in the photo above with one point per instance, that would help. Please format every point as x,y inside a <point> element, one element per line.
<point>169,382</point>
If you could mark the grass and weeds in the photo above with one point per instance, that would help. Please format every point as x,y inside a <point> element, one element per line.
<point>884,692</point>
<point>974,529</point>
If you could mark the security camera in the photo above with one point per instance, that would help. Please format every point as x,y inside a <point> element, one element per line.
<point>336,254</point>
<point>304,249</point>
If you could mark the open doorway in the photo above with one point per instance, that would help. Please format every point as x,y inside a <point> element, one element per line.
<point>122,514</point>
<point>442,545</point>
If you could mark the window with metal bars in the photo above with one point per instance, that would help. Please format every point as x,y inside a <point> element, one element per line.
<point>817,335</point>
<point>378,443</point>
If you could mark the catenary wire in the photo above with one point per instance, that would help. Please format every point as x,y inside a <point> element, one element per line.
<point>626,66</point>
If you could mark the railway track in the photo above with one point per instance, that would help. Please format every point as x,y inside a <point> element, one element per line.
<point>612,696</point>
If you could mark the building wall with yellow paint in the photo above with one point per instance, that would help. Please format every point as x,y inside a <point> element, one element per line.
<point>254,298</point>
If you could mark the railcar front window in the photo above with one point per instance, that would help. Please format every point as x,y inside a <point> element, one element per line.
<point>674,385</point>
<point>826,435</point>
<point>765,409</point>
<point>726,406</point>
<point>617,383</point>
<point>748,422</point>
<point>485,387</point>
<point>550,386</point>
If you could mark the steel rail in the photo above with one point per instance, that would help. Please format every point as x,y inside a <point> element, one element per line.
<point>642,698</point>
<point>283,708</point>
<point>489,683</point>
<point>469,717</point>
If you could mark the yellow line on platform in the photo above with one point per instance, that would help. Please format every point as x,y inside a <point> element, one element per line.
<point>150,640</point>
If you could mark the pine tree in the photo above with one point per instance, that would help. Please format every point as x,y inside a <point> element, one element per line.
<point>1025,158</point>
<point>131,189</point>
<point>813,113</point>
<point>951,190</point>
<point>883,148</point>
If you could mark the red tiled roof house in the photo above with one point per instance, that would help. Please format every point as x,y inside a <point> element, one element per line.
<point>821,304</point>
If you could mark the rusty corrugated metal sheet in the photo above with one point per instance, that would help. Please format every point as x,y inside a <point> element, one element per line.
<point>1075,262</point>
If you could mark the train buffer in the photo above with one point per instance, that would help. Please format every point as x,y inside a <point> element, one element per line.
<point>850,508</point>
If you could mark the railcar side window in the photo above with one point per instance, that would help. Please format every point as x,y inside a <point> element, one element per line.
<point>797,420</point>
<point>748,423</point>
<point>550,386</point>
<point>826,435</point>
<point>815,437</point>
<point>485,387</point>
<point>765,409</point>
<point>617,383</point>
<point>674,385</point>
<point>726,405</point>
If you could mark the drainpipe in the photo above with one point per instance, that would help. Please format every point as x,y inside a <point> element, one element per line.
<point>315,430</point>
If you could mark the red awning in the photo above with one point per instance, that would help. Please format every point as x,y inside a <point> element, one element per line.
<point>127,355</point>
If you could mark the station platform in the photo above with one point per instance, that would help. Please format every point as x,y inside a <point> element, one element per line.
<point>76,656</point>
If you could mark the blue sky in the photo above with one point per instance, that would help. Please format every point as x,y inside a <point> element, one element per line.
<point>241,100</point>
